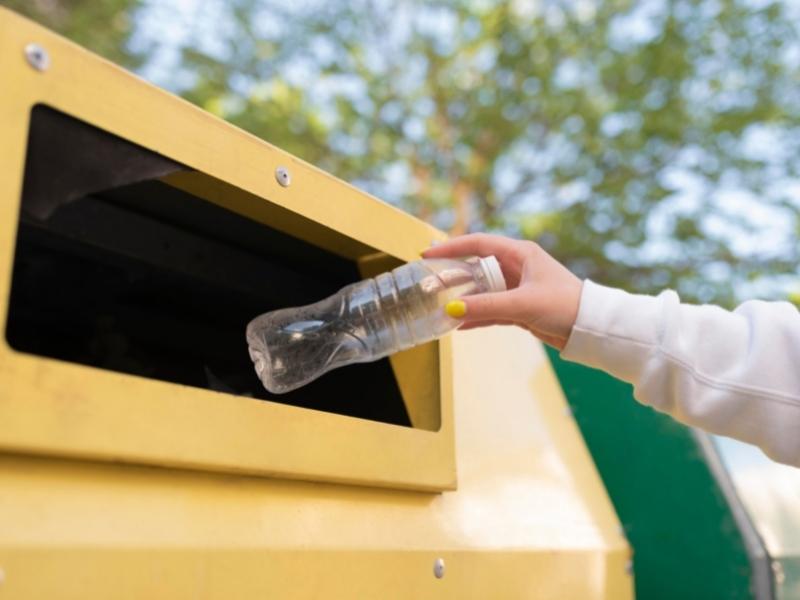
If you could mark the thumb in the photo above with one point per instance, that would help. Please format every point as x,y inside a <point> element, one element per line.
<point>504,306</point>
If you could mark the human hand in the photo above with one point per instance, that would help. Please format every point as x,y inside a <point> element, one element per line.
<point>543,296</point>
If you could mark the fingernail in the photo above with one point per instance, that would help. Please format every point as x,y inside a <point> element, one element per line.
<point>456,308</point>
<point>434,243</point>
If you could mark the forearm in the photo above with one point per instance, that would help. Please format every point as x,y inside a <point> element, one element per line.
<point>732,373</point>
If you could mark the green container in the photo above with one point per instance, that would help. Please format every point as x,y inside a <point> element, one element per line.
<point>685,539</point>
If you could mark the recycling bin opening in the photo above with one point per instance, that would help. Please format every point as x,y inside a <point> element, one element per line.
<point>116,269</point>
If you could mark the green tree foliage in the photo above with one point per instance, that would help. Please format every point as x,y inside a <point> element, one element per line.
<point>646,144</point>
<point>103,26</point>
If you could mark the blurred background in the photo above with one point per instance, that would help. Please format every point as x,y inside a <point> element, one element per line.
<point>646,144</point>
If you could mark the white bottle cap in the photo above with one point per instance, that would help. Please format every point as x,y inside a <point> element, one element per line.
<point>494,274</point>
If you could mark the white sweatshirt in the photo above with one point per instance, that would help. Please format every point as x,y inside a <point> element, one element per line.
<point>732,373</point>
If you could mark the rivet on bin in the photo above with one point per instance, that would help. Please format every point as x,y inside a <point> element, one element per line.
<point>37,57</point>
<point>283,176</point>
<point>629,567</point>
<point>438,568</point>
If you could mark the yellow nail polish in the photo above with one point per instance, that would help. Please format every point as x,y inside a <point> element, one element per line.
<point>456,308</point>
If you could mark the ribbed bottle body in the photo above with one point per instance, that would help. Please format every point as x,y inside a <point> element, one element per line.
<point>362,322</point>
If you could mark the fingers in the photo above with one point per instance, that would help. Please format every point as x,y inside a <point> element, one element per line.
<point>473,244</point>
<point>477,324</point>
<point>499,306</point>
<point>509,252</point>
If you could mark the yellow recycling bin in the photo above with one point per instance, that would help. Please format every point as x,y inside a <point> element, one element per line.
<point>139,455</point>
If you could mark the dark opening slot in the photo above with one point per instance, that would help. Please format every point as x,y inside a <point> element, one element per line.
<point>145,279</point>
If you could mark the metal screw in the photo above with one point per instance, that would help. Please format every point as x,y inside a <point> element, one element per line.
<point>283,176</point>
<point>438,568</point>
<point>629,567</point>
<point>777,569</point>
<point>37,57</point>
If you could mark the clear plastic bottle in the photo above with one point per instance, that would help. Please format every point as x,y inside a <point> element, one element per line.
<point>365,321</point>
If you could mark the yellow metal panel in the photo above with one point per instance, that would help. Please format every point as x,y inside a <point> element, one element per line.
<point>417,372</point>
<point>50,406</point>
<point>530,518</point>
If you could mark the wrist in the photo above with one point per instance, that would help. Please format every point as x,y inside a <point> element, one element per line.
<point>572,307</point>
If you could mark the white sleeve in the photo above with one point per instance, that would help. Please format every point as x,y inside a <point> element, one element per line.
<point>732,373</point>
